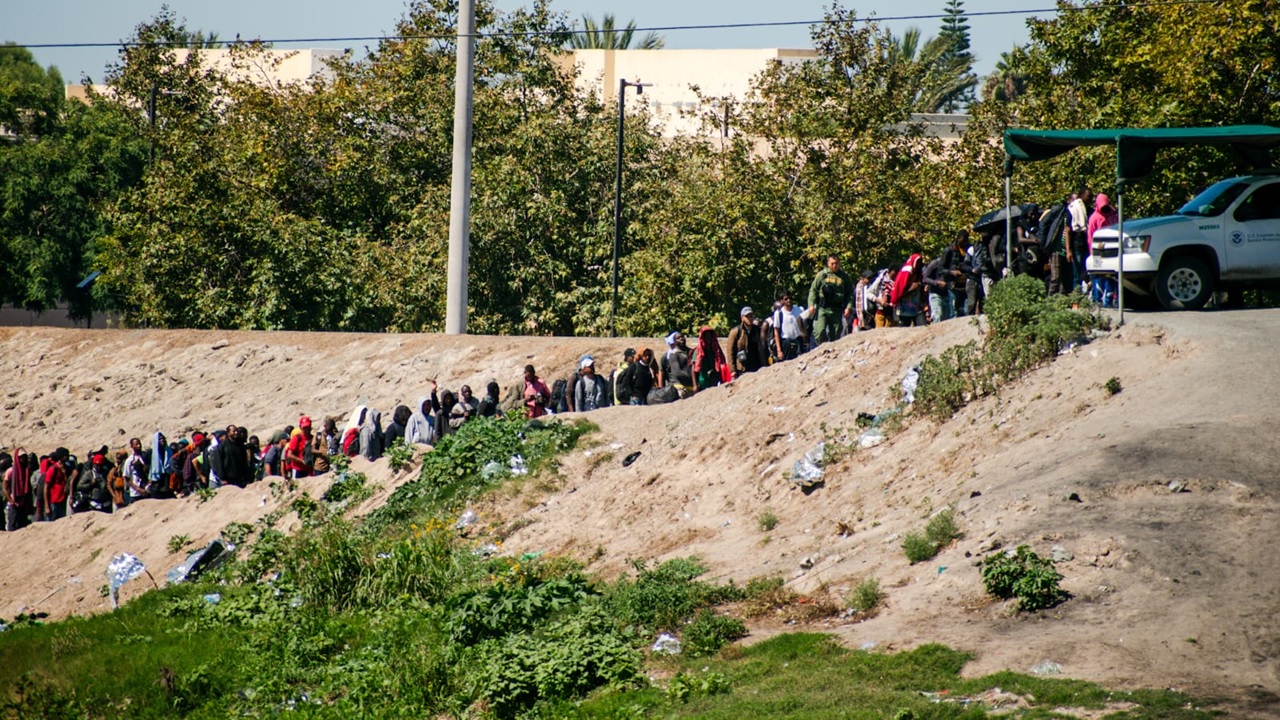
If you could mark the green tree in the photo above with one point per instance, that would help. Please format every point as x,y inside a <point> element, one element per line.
<point>1009,80</point>
<point>605,36</point>
<point>61,165</point>
<point>955,31</point>
<point>944,76</point>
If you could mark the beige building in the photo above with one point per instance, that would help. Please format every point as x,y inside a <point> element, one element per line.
<point>268,67</point>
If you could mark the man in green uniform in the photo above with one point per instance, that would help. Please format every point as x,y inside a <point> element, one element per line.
<point>830,298</point>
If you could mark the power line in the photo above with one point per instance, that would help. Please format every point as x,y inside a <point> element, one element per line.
<point>659,28</point>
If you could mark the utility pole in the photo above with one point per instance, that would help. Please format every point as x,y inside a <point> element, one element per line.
<point>455,318</point>
<point>623,84</point>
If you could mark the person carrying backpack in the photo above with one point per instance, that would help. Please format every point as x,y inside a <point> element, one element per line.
<point>622,378</point>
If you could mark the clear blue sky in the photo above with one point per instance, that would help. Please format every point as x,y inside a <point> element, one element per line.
<point>92,21</point>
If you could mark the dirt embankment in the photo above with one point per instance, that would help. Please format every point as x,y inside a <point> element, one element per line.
<point>1170,589</point>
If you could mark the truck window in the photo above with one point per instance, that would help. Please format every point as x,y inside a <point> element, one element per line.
<point>1215,199</point>
<point>1262,204</point>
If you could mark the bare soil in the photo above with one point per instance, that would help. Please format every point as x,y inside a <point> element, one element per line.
<point>1169,589</point>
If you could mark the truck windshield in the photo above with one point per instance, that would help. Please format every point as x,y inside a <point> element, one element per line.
<point>1214,199</point>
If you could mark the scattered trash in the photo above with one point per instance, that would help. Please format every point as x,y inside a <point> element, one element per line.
<point>1074,497</point>
<point>1061,554</point>
<point>122,568</point>
<point>213,598</point>
<point>468,518</point>
<point>806,563</point>
<point>615,446</point>
<point>942,569</point>
<point>807,472</point>
<point>667,644</point>
<point>626,462</point>
<point>878,419</point>
<point>1047,667</point>
<point>726,523</point>
<point>201,561</point>
<point>779,408</point>
<point>383,555</point>
<point>75,580</point>
<point>485,550</point>
<point>909,384</point>
<point>974,494</point>
<point>1178,486</point>
<point>871,438</point>
<point>518,466</point>
<point>492,469</point>
<point>532,555</point>
<point>867,646</point>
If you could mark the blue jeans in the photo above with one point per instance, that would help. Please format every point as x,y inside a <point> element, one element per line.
<point>940,306</point>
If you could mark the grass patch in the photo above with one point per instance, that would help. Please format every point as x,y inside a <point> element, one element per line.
<point>767,521</point>
<point>867,596</point>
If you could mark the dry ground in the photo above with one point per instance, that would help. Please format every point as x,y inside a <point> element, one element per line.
<point>1169,589</point>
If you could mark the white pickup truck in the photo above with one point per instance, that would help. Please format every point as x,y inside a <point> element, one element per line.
<point>1225,238</point>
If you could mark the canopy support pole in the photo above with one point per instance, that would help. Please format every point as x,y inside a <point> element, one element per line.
<point>1008,228</point>
<point>1120,255</point>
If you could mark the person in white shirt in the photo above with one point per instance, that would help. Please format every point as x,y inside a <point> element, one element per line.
<point>1077,242</point>
<point>788,329</point>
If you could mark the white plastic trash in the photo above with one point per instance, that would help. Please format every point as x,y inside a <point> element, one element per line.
<point>468,518</point>
<point>122,568</point>
<point>667,644</point>
<point>517,465</point>
<point>909,384</point>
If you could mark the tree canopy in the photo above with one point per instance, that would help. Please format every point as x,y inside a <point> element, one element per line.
<point>325,205</point>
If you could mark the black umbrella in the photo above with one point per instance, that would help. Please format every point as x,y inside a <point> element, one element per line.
<point>995,220</point>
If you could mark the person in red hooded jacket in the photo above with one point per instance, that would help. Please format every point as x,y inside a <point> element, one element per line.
<point>907,296</point>
<point>1103,288</point>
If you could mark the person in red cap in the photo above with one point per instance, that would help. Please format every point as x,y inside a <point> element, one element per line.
<point>297,454</point>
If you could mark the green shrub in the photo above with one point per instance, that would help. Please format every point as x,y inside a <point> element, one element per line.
<point>177,542</point>
<point>1112,386</point>
<point>709,631</point>
<point>685,686</point>
<point>767,521</point>
<point>350,486</point>
<point>867,596</point>
<point>237,532</point>
<point>662,598</point>
<point>941,529</point>
<point>400,455</point>
<point>1023,575</point>
<point>918,548</point>
<point>1026,328</point>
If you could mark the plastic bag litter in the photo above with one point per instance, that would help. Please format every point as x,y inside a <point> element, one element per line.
<point>807,471</point>
<point>492,469</point>
<point>518,466</point>
<point>213,598</point>
<point>122,568</point>
<point>1048,667</point>
<point>909,383</point>
<point>871,438</point>
<point>485,550</point>
<point>667,644</point>
<point>200,561</point>
<point>468,518</point>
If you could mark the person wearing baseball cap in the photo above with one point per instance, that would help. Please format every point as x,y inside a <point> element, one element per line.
<point>297,460</point>
<point>746,350</point>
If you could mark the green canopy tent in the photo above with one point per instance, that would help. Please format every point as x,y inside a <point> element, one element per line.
<point>1136,150</point>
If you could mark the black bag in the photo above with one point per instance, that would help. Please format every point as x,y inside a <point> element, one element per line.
<point>663,395</point>
<point>559,401</point>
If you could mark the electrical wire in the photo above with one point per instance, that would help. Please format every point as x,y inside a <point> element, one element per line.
<point>658,28</point>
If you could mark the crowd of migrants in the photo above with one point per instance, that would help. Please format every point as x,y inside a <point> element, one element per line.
<point>1051,245</point>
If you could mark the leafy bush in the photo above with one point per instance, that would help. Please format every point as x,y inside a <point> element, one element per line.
<point>1025,575</point>
<point>709,631</point>
<point>942,529</point>
<point>661,598</point>
<point>767,521</point>
<point>1026,329</point>
<point>237,532</point>
<point>918,547</point>
<point>346,486</point>
<point>867,596</point>
<point>400,455</point>
<point>177,542</point>
<point>684,686</point>
<point>1112,386</point>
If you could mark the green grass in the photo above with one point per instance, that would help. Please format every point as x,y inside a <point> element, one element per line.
<point>810,676</point>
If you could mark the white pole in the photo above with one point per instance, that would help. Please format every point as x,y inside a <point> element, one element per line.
<point>1008,229</point>
<point>1120,255</point>
<point>455,318</point>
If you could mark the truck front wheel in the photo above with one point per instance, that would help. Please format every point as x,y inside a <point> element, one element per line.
<point>1184,283</point>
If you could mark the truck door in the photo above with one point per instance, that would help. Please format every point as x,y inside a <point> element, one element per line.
<point>1253,235</point>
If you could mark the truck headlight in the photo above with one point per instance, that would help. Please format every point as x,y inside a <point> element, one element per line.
<point>1137,243</point>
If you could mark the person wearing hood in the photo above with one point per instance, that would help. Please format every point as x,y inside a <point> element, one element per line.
<point>490,404</point>
<point>1104,290</point>
<point>421,429</point>
<point>17,492</point>
<point>399,421</point>
<point>371,436</point>
<point>907,298</point>
<point>157,472</point>
<point>746,348</point>
<point>442,426</point>
<point>351,433</point>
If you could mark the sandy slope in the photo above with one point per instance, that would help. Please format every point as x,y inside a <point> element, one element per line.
<point>1170,589</point>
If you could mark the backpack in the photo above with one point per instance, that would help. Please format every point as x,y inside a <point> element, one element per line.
<point>559,401</point>
<point>118,485</point>
<point>619,395</point>
<point>1050,229</point>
